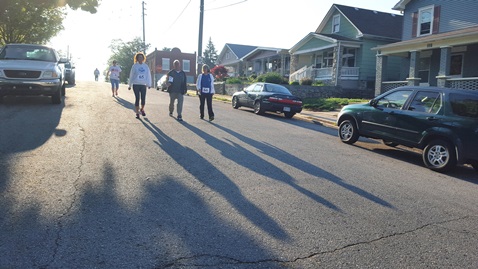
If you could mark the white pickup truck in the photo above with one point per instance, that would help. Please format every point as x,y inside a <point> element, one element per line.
<point>27,69</point>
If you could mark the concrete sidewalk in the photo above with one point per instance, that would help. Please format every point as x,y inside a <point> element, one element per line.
<point>321,117</point>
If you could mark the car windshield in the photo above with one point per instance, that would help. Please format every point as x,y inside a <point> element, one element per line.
<point>28,53</point>
<point>276,89</point>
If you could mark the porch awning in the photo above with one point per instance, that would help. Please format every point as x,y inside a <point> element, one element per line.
<point>455,38</point>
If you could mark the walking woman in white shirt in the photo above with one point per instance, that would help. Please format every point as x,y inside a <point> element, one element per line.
<point>139,79</point>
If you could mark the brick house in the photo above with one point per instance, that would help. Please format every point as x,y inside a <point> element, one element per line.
<point>161,61</point>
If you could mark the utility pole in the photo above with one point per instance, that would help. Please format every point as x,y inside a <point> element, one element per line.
<point>144,32</point>
<point>201,19</point>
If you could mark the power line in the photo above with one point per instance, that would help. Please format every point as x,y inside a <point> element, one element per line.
<point>226,6</point>
<point>179,16</point>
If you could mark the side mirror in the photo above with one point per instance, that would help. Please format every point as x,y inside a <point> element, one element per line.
<point>373,102</point>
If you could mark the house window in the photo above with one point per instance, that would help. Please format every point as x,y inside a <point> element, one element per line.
<point>328,59</point>
<point>318,61</point>
<point>425,21</point>
<point>456,65</point>
<point>166,65</point>
<point>348,57</point>
<point>336,24</point>
<point>186,65</point>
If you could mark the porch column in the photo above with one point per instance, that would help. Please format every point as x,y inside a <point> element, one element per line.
<point>413,79</point>
<point>337,65</point>
<point>380,73</point>
<point>246,72</point>
<point>445,58</point>
<point>294,62</point>
<point>282,64</point>
<point>240,69</point>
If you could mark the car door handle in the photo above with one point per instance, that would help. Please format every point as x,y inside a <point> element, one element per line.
<point>432,118</point>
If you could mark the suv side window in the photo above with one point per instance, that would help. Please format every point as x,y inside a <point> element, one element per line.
<point>394,100</point>
<point>425,101</point>
<point>464,105</point>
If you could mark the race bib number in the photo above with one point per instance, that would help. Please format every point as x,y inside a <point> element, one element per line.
<point>141,77</point>
<point>205,90</point>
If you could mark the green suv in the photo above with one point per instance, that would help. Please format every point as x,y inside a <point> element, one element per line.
<point>442,122</point>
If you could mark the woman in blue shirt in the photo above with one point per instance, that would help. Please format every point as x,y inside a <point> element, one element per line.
<point>205,91</point>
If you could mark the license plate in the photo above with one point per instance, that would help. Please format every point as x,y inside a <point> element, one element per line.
<point>286,109</point>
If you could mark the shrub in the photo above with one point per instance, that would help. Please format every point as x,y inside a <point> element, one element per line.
<point>271,78</point>
<point>233,81</point>
<point>295,82</point>
<point>318,83</point>
<point>219,72</point>
<point>306,81</point>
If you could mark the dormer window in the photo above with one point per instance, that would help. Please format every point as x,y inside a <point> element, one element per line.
<point>336,24</point>
<point>425,19</point>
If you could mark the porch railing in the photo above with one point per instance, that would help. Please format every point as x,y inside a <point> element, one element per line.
<point>470,83</point>
<point>390,85</point>
<point>324,73</point>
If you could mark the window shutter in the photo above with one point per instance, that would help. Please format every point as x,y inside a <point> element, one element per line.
<point>436,19</point>
<point>414,24</point>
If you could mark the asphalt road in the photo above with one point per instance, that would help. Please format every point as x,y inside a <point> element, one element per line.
<point>86,185</point>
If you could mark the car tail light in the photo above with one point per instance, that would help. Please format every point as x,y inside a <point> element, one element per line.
<point>275,99</point>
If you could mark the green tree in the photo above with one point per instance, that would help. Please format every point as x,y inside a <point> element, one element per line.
<point>26,21</point>
<point>123,53</point>
<point>210,54</point>
<point>166,49</point>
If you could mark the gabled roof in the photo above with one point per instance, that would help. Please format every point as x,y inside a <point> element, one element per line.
<point>401,5</point>
<point>240,50</point>
<point>259,49</point>
<point>368,22</point>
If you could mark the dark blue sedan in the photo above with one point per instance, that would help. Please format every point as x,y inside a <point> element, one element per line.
<point>264,97</point>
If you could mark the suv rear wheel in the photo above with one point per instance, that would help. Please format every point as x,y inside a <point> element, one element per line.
<point>439,155</point>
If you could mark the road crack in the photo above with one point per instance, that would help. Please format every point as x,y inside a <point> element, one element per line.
<point>74,199</point>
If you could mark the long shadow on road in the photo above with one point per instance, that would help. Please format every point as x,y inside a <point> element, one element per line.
<point>249,160</point>
<point>214,179</point>
<point>307,167</point>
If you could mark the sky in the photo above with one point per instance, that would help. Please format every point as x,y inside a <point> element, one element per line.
<point>266,23</point>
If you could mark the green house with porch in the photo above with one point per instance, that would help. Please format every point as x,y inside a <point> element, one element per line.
<point>339,53</point>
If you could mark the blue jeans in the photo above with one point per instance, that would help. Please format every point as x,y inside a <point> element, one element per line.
<point>114,82</point>
<point>139,92</point>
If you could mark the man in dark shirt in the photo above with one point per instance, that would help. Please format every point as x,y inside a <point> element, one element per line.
<point>176,82</point>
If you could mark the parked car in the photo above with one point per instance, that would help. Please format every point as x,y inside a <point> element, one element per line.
<point>264,97</point>
<point>161,85</point>
<point>27,69</point>
<point>442,122</point>
<point>70,73</point>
